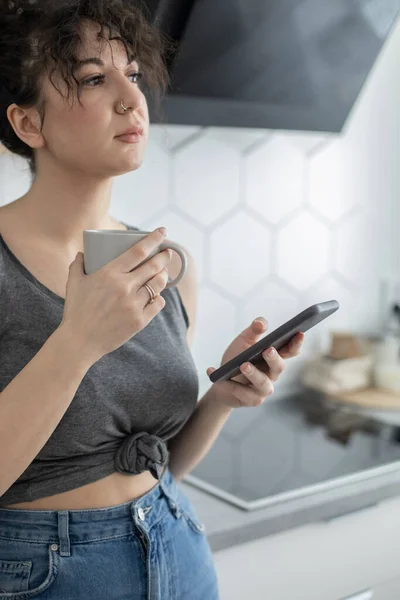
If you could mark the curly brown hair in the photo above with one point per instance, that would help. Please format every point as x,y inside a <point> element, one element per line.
<point>40,37</point>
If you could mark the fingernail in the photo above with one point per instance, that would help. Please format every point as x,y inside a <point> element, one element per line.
<point>247,368</point>
<point>260,321</point>
<point>163,231</point>
<point>271,352</point>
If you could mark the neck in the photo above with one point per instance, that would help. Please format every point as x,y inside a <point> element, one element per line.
<point>58,208</point>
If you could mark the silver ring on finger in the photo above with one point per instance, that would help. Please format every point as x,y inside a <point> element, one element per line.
<point>151,292</point>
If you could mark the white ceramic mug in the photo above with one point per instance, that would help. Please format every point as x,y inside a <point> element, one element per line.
<point>100,246</point>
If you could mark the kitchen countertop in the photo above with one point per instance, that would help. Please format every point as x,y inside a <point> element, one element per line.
<point>274,469</point>
<point>227,525</point>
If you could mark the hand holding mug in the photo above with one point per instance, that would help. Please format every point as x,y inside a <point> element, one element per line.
<point>106,307</point>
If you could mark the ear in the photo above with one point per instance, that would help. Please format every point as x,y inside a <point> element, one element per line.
<point>26,124</point>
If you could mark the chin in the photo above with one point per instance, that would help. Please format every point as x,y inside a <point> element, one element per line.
<point>128,167</point>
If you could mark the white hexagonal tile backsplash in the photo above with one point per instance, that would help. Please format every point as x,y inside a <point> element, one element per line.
<point>273,302</point>
<point>308,142</point>
<point>206,179</point>
<point>334,191</point>
<point>139,194</point>
<point>352,242</point>
<point>171,136</point>
<point>275,179</point>
<point>238,138</point>
<point>240,254</point>
<point>303,251</point>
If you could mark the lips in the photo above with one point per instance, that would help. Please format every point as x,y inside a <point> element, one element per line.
<point>132,131</point>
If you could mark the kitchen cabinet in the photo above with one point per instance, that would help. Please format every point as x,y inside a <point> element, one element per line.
<point>329,560</point>
<point>388,590</point>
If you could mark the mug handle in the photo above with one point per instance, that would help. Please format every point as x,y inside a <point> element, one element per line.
<point>183,256</point>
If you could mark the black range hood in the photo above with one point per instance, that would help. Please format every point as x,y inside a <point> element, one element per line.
<point>275,64</point>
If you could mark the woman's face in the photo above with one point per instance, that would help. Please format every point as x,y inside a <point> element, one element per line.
<point>82,137</point>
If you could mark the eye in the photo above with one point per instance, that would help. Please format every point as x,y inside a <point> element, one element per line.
<point>93,79</point>
<point>138,74</point>
<point>96,78</point>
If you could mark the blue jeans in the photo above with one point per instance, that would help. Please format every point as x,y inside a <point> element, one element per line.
<point>150,548</point>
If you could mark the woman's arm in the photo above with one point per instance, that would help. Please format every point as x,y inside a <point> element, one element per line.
<point>197,436</point>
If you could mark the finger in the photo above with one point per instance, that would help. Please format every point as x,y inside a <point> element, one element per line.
<point>136,254</point>
<point>158,283</point>
<point>231,387</point>
<point>260,381</point>
<point>252,333</point>
<point>292,348</point>
<point>275,362</point>
<point>260,324</point>
<point>150,268</point>
<point>249,396</point>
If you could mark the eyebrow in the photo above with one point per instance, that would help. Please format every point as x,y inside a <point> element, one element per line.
<point>98,61</point>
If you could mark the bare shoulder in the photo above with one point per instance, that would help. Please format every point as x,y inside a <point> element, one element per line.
<point>4,211</point>
<point>11,219</point>
<point>8,220</point>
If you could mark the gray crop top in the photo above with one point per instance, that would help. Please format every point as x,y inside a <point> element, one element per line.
<point>129,403</point>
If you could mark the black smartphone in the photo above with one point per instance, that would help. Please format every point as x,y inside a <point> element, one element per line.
<point>279,337</point>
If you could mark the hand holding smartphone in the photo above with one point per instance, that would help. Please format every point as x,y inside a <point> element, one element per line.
<point>278,338</point>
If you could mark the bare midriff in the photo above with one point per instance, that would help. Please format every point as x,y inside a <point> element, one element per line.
<point>114,489</point>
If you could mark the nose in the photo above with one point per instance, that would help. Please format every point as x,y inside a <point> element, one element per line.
<point>132,95</point>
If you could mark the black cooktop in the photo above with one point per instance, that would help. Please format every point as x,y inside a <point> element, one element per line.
<point>290,445</point>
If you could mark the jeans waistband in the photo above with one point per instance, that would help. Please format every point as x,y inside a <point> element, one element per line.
<point>64,527</point>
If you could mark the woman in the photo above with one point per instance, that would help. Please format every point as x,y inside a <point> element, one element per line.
<point>96,375</point>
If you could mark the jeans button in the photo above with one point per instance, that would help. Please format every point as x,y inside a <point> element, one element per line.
<point>141,514</point>
<point>54,547</point>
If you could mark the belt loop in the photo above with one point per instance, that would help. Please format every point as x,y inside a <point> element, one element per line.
<point>63,532</point>
<point>169,494</point>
